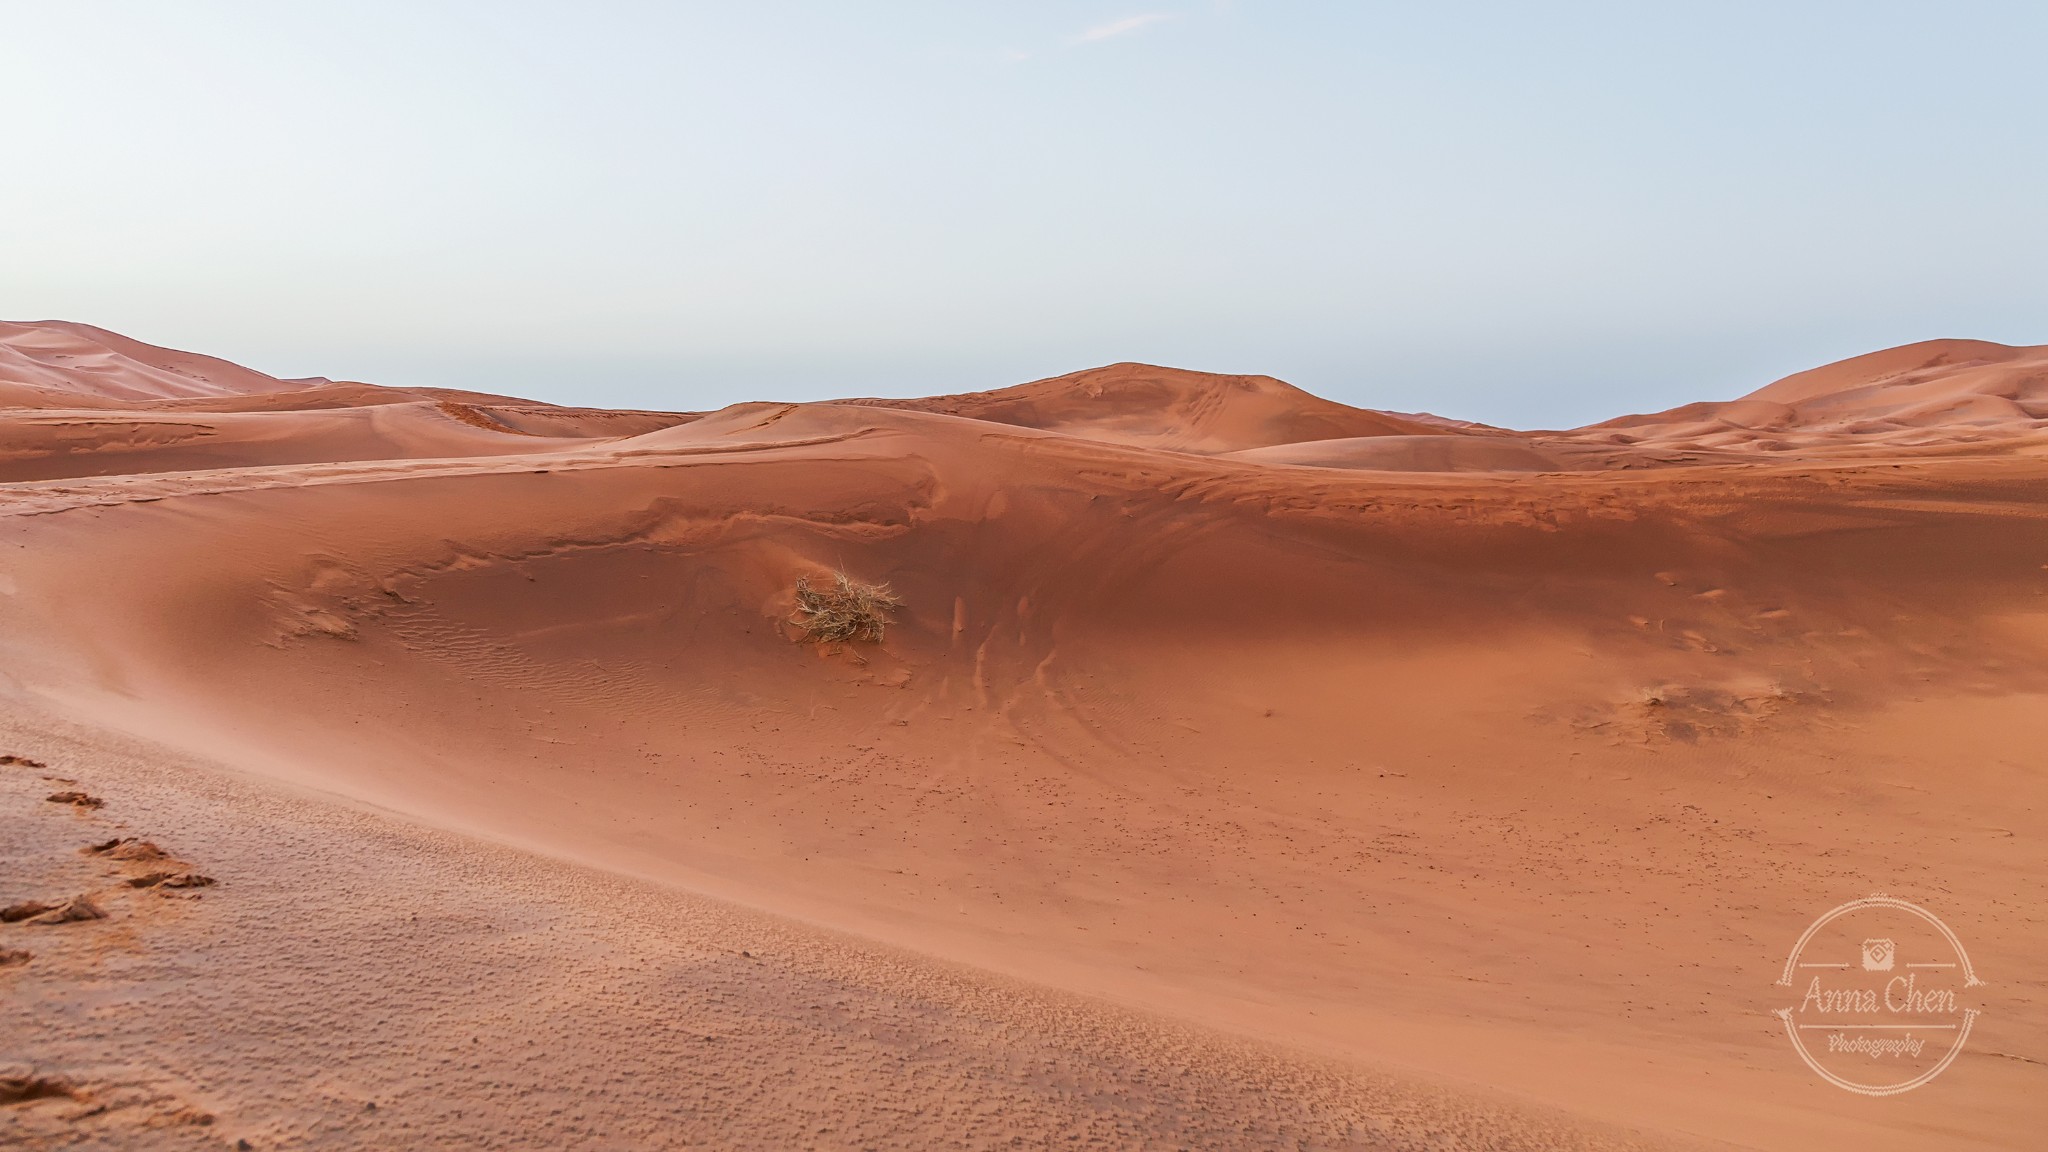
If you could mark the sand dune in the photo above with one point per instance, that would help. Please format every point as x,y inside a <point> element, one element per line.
<point>79,401</point>
<point>1153,407</point>
<point>1930,394</point>
<point>1471,776</point>
<point>53,359</point>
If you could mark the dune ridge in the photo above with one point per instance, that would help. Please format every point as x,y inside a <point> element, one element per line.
<point>81,401</point>
<point>1928,395</point>
<point>1149,406</point>
<point>44,360</point>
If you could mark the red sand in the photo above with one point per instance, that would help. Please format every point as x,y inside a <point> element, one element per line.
<point>1393,780</point>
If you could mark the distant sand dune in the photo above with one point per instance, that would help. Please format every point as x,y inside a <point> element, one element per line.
<point>1926,395</point>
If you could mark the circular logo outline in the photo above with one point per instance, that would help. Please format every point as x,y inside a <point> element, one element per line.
<point>1970,980</point>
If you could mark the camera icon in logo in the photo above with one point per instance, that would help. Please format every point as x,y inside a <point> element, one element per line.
<point>1877,955</point>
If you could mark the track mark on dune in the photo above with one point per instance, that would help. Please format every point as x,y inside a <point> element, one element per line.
<point>479,655</point>
<point>77,910</point>
<point>76,799</point>
<point>49,497</point>
<point>21,910</point>
<point>476,418</point>
<point>61,1110</point>
<point>20,1088</point>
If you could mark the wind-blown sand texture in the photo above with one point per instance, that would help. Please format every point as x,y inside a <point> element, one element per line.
<point>1240,770</point>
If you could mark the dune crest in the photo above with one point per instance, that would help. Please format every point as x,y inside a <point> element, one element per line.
<point>44,363</point>
<point>1148,406</point>
<point>1927,395</point>
<point>80,401</point>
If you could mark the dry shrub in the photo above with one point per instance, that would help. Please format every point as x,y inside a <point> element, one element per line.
<point>848,610</point>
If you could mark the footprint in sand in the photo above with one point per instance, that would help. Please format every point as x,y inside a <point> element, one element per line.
<point>74,910</point>
<point>25,762</point>
<point>132,850</point>
<point>76,799</point>
<point>12,957</point>
<point>19,1086</point>
<point>126,848</point>
<point>170,880</point>
<point>15,913</point>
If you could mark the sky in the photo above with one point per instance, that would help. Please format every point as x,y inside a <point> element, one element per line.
<point>1531,215</point>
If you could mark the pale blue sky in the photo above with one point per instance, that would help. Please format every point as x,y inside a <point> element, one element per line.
<point>1528,214</point>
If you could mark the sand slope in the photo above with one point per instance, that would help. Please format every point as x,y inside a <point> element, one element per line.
<point>78,401</point>
<point>1154,407</point>
<point>1918,396</point>
<point>1514,781</point>
<point>352,981</point>
<point>48,360</point>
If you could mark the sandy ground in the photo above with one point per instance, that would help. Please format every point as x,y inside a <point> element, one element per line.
<point>353,980</point>
<point>1242,770</point>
